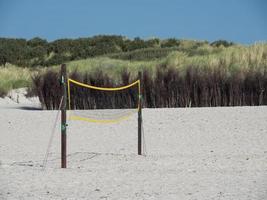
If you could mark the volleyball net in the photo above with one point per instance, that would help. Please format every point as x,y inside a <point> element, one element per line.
<point>107,104</point>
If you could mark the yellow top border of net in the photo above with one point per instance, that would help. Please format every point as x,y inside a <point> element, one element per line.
<point>103,88</point>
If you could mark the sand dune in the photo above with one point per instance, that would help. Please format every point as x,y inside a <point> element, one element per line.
<point>191,153</point>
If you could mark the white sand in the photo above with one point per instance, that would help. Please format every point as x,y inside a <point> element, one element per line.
<point>16,99</point>
<point>197,153</point>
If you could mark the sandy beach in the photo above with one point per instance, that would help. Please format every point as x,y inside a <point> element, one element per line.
<point>191,153</point>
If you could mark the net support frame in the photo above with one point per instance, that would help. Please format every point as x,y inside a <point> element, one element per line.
<point>63,117</point>
<point>139,116</point>
<point>66,93</point>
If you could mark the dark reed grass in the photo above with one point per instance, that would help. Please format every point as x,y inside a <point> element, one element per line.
<point>170,87</point>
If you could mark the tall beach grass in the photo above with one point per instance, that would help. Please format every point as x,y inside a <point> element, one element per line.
<point>12,77</point>
<point>236,71</point>
<point>234,76</point>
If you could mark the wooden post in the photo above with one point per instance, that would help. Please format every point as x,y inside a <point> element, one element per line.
<point>63,117</point>
<point>140,116</point>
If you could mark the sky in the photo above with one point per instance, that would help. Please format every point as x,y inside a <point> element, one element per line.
<point>240,21</point>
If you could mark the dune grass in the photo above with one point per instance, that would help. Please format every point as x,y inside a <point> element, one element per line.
<point>113,67</point>
<point>234,58</point>
<point>12,77</point>
<point>231,60</point>
<point>234,76</point>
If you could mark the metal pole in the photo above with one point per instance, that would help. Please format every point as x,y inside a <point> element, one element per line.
<point>63,117</point>
<point>140,116</point>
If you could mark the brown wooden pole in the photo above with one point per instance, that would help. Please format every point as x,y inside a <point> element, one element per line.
<point>140,117</point>
<point>63,117</point>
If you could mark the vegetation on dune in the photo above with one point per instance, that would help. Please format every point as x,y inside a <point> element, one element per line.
<point>39,52</point>
<point>233,76</point>
<point>169,88</point>
<point>12,77</point>
<point>176,73</point>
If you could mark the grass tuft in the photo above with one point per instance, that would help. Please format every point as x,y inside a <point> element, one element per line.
<point>12,77</point>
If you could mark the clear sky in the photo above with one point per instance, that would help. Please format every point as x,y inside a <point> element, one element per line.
<point>241,21</point>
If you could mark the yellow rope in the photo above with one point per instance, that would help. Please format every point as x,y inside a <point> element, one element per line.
<point>104,88</point>
<point>101,121</point>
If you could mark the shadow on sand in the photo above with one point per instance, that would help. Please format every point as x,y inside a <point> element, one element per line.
<point>29,108</point>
